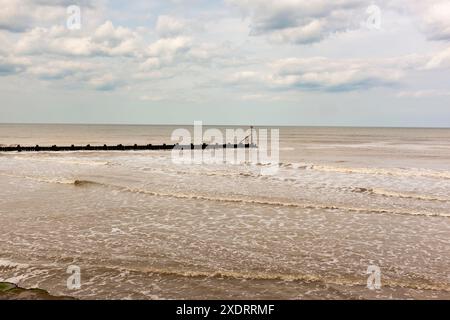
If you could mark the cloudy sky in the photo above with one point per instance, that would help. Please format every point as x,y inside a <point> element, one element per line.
<point>268,62</point>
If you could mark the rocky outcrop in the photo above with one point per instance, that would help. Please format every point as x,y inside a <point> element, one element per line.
<point>10,291</point>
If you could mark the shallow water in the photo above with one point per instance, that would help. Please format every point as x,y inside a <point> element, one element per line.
<point>140,226</point>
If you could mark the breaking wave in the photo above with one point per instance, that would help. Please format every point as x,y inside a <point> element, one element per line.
<point>274,276</point>
<point>401,172</point>
<point>6,265</point>
<point>265,202</point>
<point>395,172</point>
<point>66,181</point>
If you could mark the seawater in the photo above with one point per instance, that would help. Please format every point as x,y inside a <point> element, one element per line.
<point>141,226</point>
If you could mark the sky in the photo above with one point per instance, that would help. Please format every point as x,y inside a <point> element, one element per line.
<point>238,62</point>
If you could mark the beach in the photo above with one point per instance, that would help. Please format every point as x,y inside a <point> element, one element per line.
<point>140,226</point>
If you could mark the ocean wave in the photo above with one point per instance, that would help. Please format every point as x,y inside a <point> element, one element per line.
<point>86,183</point>
<point>400,172</point>
<point>75,182</point>
<point>382,171</point>
<point>287,166</point>
<point>279,203</point>
<point>7,265</point>
<point>274,276</point>
<point>414,283</point>
<point>63,161</point>
<point>395,194</point>
<point>265,202</point>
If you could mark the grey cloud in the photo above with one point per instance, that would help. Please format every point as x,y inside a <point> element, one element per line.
<point>306,21</point>
<point>322,74</point>
<point>57,70</point>
<point>11,65</point>
<point>300,21</point>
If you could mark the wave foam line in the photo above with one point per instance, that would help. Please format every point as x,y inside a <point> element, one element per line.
<point>321,168</point>
<point>286,277</point>
<point>234,200</point>
<point>380,171</point>
<point>7,264</point>
<point>64,161</point>
<point>395,194</point>
<point>280,204</point>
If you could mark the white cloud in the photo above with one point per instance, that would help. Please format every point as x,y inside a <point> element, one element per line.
<point>168,47</point>
<point>333,75</point>
<point>173,49</point>
<point>182,50</point>
<point>54,40</point>
<point>319,73</point>
<point>106,40</point>
<point>167,26</point>
<point>165,52</point>
<point>18,15</point>
<point>438,60</point>
<point>245,78</point>
<point>116,41</point>
<point>436,20</point>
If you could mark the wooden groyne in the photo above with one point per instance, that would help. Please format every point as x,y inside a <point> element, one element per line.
<point>121,147</point>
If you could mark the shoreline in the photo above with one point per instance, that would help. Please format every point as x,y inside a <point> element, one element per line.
<point>11,291</point>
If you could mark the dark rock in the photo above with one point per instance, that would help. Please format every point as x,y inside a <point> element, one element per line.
<point>10,291</point>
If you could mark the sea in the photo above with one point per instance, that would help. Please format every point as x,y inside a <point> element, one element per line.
<point>347,213</point>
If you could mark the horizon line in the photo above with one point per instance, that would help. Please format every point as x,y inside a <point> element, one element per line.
<point>223,125</point>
